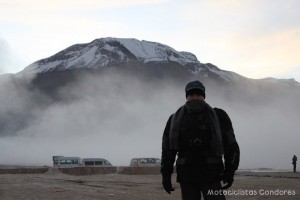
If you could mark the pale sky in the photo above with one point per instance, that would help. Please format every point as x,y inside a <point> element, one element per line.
<point>255,38</point>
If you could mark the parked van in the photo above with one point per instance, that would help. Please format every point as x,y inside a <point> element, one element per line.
<point>95,162</point>
<point>62,161</point>
<point>136,162</point>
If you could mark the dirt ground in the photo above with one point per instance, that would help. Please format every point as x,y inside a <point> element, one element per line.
<point>54,185</point>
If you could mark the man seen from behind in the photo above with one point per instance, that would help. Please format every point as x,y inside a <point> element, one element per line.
<point>200,136</point>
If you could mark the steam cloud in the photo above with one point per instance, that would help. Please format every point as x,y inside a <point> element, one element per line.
<point>120,117</point>
<point>113,117</point>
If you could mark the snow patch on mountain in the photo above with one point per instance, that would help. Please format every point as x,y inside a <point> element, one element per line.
<point>105,52</point>
<point>111,51</point>
<point>152,51</point>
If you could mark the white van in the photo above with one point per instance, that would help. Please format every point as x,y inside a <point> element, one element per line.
<point>62,161</point>
<point>95,162</point>
<point>137,162</point>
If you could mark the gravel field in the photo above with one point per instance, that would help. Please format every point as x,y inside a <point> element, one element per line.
<point>54,185</point>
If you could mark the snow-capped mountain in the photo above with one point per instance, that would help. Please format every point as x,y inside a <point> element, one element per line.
<point>107,52</point>
<point>99,76</point>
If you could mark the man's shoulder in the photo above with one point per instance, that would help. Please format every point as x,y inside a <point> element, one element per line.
<point>222,115</point>
<point>220,111</point>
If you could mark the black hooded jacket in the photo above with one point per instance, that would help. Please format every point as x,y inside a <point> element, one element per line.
<point>201,170</point>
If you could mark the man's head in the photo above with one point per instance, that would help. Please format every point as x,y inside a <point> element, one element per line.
<point>194,88</point>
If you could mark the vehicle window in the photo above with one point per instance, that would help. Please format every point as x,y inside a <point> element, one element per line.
<point>75,162</point>
<point>98,162</point>
<point>65,162</point>
<point>150,161</point>
<point>89,162</point>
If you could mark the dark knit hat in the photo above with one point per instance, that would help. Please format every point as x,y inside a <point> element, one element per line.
<point>195,87</point>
